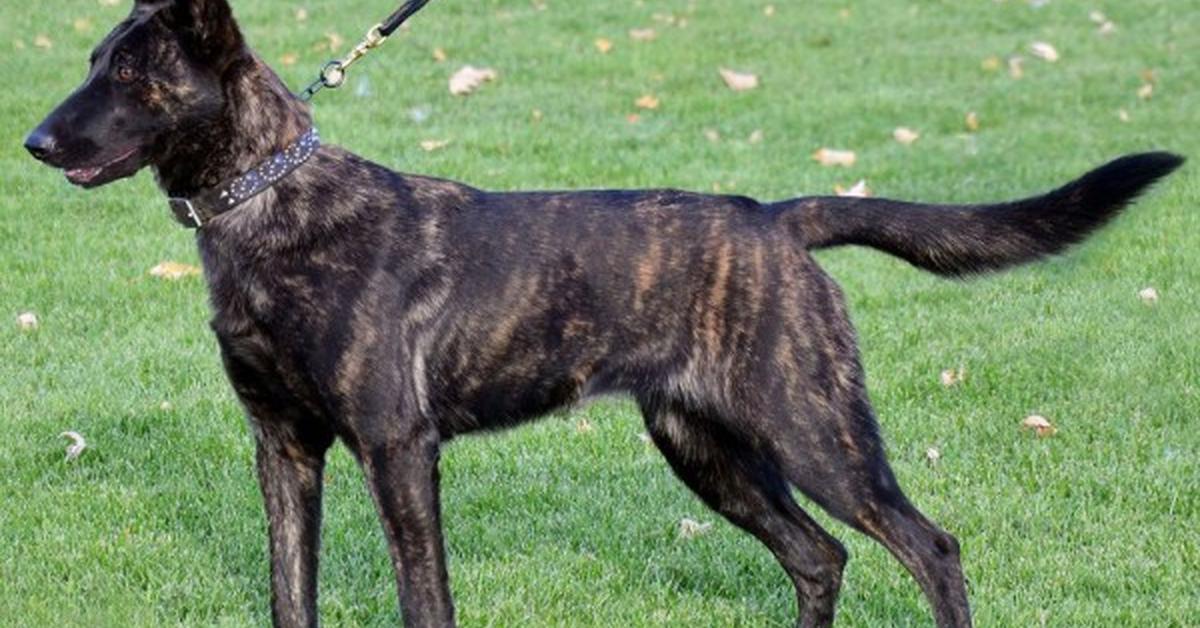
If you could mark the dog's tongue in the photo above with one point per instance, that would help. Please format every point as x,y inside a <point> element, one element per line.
<point>83,175</point>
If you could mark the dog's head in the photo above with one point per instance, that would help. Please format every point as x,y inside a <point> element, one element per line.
<point>157,72</point>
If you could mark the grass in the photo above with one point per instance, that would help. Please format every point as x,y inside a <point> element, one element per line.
<point>160,523</point>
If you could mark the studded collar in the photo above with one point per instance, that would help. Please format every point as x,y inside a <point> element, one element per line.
<point>194,212</point>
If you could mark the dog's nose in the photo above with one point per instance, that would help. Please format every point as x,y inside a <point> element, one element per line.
<point>41,144</point>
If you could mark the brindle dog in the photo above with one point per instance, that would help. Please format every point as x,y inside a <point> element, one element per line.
<point>395,311</point>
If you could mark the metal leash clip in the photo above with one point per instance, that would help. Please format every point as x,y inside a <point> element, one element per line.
<point>333,75</point>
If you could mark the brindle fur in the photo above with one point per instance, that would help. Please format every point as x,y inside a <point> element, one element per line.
<point>394,312</point>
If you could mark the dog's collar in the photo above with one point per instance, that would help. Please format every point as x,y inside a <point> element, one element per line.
<point>195,212</point>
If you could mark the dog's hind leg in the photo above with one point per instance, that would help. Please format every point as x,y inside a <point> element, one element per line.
<point>838,461</point>
<point>748,490</point>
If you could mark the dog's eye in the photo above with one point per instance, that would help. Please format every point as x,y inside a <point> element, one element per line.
<point>125,74</point>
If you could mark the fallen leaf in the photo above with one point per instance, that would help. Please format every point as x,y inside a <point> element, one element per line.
<point>1040,425</point>
<point>431,145</point>
<point>932,456</point>
<point>905,135</point>
<point>583,426</point>
<point>858,190</point>
<point>439,55</point>
<point>1097,17</point>
<point>19,44</point>
<point>844,14</point>
<point>166,406</point>
<point>536,115</point>
<point>1107,28</point>
<point>289,58</point>
<point>990,64</point>
<point>643,34</point>
<point>1148,76</point>
<point>769,10</point>
<point>972,121</point>
<point>1123,115</point>
<point>301,14</point>
<point>333,41</point>
<point>43,42</point>
<point>78,444</point>
<point>1016,67</point>
<point>1146,91</point>
<point>1149,295</point>
<point>648,101</point>
<point>952,377</point>
<point>604,45</point>
<point>82,25</point>
<point>739,81</point>
<point>174,270</point>
<point>756,136</point>
<point>468,78</point>
<point>835,157</point>
<point>633,118</point>
<point>690,528</point>
<point>27,321</point>
<point>712,135</point>
<point>1044,51</point>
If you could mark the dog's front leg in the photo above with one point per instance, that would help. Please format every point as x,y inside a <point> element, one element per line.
<point>290,466</point>
<point>402,474</point>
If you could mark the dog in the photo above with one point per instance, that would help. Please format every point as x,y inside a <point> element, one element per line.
<point>395,312</point>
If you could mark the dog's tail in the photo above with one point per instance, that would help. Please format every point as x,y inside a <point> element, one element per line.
<point>958,240</point>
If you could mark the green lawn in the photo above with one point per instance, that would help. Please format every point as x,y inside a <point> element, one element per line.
<point>160,522</point>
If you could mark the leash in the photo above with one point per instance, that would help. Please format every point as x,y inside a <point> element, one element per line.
<point>333,75</point>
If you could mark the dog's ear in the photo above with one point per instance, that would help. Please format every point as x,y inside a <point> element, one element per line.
<point>207,28</point>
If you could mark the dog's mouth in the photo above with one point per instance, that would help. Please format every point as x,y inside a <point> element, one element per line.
<point>125,164</point>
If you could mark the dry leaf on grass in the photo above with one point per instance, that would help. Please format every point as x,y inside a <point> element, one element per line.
<point>1044,51</point>
<point>972,121</point>
<point>166,406</point>
<point>1123,115</point>
<point>82,25</point>
<point>690,528</point>
<point>905,135</point>
<point>712,135</point>
<point>439,54</point>
<point>27,321</point>
<point>289,58</point>
<point>756,136</point>
<point>431,145</point>
<point>649,101</point>
<point>584,426</point>
<point>1040,425</point>
<point>174,270</point>
<point>78,444</point>
<point>643,34</point>
<point>738,81</point>
<point>603,45</point>
<point>1148,295</point>
<point>953,377</point>
<point>301,14</point>
<point>858,190</point>
<point>468,78</point>
<point>990,64</point>
<point>43,42</point>
<point>932,456</point>
<point>835,157</point>
<point>1145,91</point>
<point>769,10</point>
<point>1016,67</point>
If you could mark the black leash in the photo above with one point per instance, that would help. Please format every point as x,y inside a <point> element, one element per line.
<point>333,75</point>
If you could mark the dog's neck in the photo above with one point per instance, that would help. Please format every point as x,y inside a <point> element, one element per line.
<point>260,118</point>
